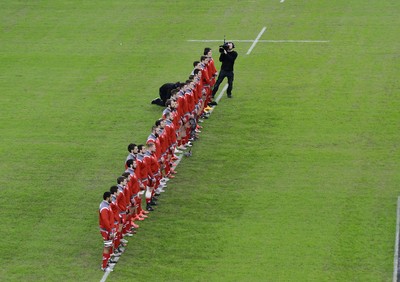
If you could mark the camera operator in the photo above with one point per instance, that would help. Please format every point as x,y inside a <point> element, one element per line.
<point>227,57</point>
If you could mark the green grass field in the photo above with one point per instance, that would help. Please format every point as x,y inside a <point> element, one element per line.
<point>294,179</point>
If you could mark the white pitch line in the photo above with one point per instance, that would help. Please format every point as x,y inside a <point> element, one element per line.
<point>294,41</point>
<point>105,276</point>
<point>256,41</point>
<point>217,40</point>
<point>396,244</point>
<point>221,93</point>
<point>263,41</point>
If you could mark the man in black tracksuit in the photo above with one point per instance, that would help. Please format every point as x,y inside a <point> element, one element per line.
<point>227,57</point>
<point>165,93</point>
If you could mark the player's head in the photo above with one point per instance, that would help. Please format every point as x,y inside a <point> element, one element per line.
<point>207,51</point>
<point>113,190</point>
<point>151,147</point>
<point>130,162</point>
<point>121,180</point>
<point>174,92</point>
<point>132,147</point>
<point>107,196</point>
<point>141,148</point>
<point>160,123</point>
<point>127,175</point>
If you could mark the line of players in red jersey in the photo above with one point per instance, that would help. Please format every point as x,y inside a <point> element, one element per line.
<point>148,167</point>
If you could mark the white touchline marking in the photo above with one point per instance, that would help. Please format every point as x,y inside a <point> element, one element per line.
<point>105,276</point>
<point>263,41</point>
<point>294,41</point>
<point>255,41</point>
<point>217,40</point>
<point>221,93</point>
<point>396,244</point>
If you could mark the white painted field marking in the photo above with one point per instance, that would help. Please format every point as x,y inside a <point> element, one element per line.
<point>295,41</point>
<point>256,40</point>
<point>248,52</point>
<point>105,276</point>
<point>217,40</point>
<point>396,244</point>
<point>221,93</point>
<point>262,41</point>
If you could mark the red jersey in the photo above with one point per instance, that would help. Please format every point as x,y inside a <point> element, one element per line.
<point>153,163</point>
<point>182,108</point>
<point>170,131</point>
<point>134,185</point>
<point>204,75</point>
<point>190,100</point>
<point>114,209</point>
<point>106,216</point>
<point>212,71</point>
<point>121,199</point>
<point>141,168</point>
<point>164,142</point>
<point>155,140</point>
<point>128,192</point>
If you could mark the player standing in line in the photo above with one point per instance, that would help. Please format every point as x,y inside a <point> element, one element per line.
<point>135,190</point>
<point>154,138</point>
<point>119,244</point>
<point>128,191</point>
<point>153,167</point>
<point>171,105</point>
<point>167,142</point>
<point>132,149</point>
<point>201,93</point>
<point>106,220</point>
<point>122,207</point>
<point>133,152</point>
<point>212,70</point>
<point>170,131</point>
<point>207,79</point>
<point>146,177</point>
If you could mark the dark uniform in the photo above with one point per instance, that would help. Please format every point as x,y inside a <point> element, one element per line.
<point>228,61</point>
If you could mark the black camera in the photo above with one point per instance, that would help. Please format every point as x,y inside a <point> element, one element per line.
<point>223,47</point>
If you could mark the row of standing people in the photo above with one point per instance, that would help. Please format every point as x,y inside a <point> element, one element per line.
<point>148,167</point>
